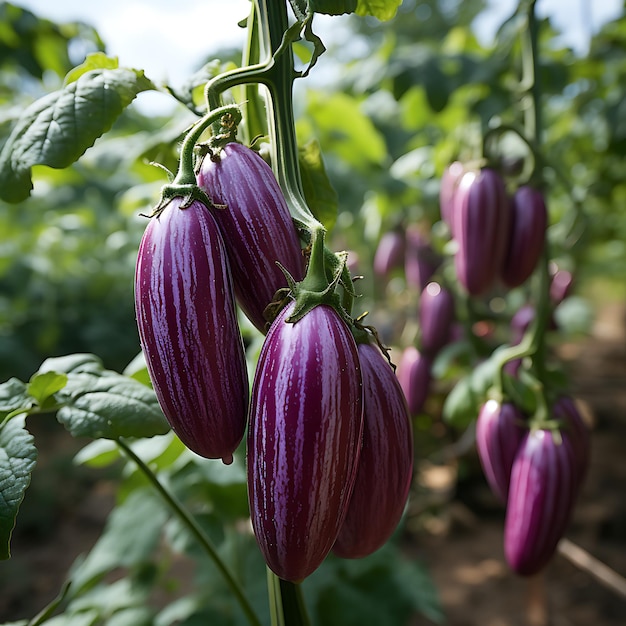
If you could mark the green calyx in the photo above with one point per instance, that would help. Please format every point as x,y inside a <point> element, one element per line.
<point>184,183</point>
<point>316,287</point>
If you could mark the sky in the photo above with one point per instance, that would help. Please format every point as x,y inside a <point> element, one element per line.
<point>148,34</point>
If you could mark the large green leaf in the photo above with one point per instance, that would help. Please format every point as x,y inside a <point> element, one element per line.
<point>17,459</point>
<point>382,9</point>
<point>14,397</point>
<point>58,128</point>
<point>100,403</point>
<point>129,539</point>
<point>318,190</point>
<point>110,406</point>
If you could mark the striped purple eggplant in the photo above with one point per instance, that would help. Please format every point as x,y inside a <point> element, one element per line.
<point>389,253</point>
<point>304,440</point>
<point>449,183</point>
<point>386,462</point>
<point>567,413</point>
<point>254,220</point>
<point>527,233</point>
<point>436,315</point>
<point>499,433</point>
<point>420,260</point>
<point>414,375</point>
<point>481,213</point>
<point>188,328</point>
<point>542,493</point>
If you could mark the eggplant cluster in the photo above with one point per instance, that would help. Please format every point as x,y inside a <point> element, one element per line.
<point>330,442</point>
<point>499,237</point>
<point>195,260</point>
<point>537,472</point>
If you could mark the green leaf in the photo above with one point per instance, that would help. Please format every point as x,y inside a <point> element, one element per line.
<point>94,61</point>
<point>79,363</point>
<point>17,459</point>
<point>333,7</point>
<point>138,370</point>
<point>460,405</point>
<point>418,587</point>
<point>318,190</point>
<point>14,397</point>
<point>97,402</point>
<point>345,129</point>
<point>131,534</point>
<point>98,453</point>
<point>43,386</point>
<point>110,406</point>
<point>58,128</point>
<point>382,9</point>
<point>83,618</point>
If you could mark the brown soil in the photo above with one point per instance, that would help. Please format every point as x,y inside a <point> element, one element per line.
<point>457,530</point>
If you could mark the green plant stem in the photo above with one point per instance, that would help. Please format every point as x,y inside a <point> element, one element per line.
<point>195,529</point>
<point>294,609</point>
<point>287,607</point>
<point>316,279</point>
<point>276,73</point>
<point>48,611</point>
<point>533,343</point>
<point>186,174</point>
<point>255,119</point>
<point>275,599</point>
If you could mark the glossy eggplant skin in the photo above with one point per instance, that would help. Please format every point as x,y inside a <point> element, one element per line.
<point>188,328</point>
<point>386,463</point>
<point>436,315</point>
<point>499,433</point>
<point>304,440</point>
<point>527,233</point>
<point>252,215</point>
<point>414,375</point>
<point>543,488</point>
<point>481,215</point>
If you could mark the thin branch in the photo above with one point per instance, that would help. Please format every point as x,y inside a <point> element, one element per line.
<point>588,563</point>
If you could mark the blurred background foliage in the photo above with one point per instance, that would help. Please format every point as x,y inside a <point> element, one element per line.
<point>390,111</point>
<point>403,100</point>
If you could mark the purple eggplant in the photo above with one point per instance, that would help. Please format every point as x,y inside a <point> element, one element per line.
<point>527,233</point>
<point>481,213</point>
<point>304,440</point>
<point>449,183</point>
<point>499,432</point>
<point>436,315</point>
<point>389,254</point>
<point>541,498</point>
<point>560,285</point>
<point>420,260</point>
<point>254,220</point>
<point>187,323</point>
<point>386,461</point>
<point>414,375</point>
<point>520,322</point>
<point>565,411</point>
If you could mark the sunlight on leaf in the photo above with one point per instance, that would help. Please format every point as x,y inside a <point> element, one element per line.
<point>382,9</point>
<point>58,128</point>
